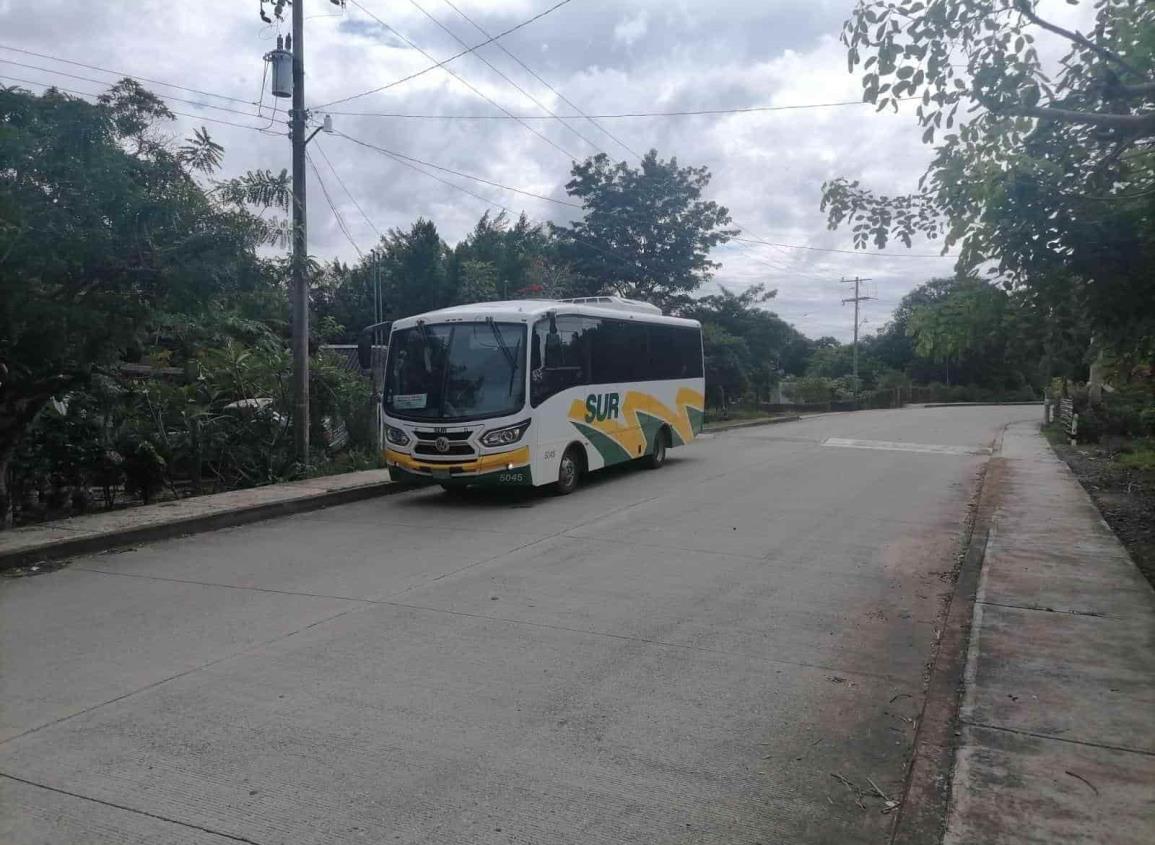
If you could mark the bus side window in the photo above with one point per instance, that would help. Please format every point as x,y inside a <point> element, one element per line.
<point>558,357</point>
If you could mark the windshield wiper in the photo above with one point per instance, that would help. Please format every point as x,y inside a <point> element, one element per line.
<point>505,349</point>
<point>501,342</point>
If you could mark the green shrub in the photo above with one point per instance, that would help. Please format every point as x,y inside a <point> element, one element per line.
<point>1147,421</point>
<point>1140,456</point>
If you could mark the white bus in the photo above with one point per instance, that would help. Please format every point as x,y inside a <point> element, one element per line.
<point>537,392</point>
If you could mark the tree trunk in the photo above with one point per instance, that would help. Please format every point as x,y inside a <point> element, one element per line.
<point>6,514</point>
<point>1095,376</point>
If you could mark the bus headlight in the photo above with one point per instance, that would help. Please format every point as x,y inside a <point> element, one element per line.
<point>396,436</point>
<point>504,436</point>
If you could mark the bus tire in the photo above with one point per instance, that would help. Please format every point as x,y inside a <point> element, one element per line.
<point>569,471</point>
<point>657,457</point>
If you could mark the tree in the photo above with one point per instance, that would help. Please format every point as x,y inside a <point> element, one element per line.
<point>769,343</point>
<point>726,358</point>
<point>970,321</point>
<point>1050,177</point>
<point>645,233</point>
<point>415,266</point>
<point>510,251</point>
<point>104,232</point>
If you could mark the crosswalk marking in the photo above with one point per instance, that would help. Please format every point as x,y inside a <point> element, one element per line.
<point>892,446</point>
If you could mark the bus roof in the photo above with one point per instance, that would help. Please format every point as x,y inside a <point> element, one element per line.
<point>528,310</point>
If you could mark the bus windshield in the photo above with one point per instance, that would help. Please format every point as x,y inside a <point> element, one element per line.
<point>456,371</point>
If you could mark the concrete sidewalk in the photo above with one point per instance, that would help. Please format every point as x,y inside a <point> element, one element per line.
<point>98,532</point>
<point>1058,717</point>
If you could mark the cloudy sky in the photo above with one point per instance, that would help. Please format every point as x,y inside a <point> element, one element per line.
<point>604,57</point>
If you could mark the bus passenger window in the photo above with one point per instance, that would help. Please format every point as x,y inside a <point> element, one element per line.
<point>558,360</point>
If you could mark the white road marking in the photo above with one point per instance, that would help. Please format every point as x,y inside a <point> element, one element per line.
<point>892,446</point>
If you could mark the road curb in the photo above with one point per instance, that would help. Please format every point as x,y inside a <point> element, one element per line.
<point>1038,402</point>
<point>195,524</point>
<point>710,428</point>
<point>926,798</point>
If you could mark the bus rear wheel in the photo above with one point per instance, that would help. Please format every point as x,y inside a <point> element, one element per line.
<point>568,472</point>
<point>657,457</point>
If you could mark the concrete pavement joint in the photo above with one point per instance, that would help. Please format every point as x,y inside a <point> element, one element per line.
<point>1093,613</point>
<point>179,675</point>
<point>1054,738</point>
<point>172,580</point>
<point>628,637</point>
<point>635,544</point>
<point>391,602</point>
<point>563,531</point>
<point>127,809</point>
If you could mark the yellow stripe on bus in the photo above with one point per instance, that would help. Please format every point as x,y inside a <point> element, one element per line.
<point>502,460</point>
<point>627,430</point>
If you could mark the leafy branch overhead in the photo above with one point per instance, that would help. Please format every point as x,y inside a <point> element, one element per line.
<point>1039,164</point>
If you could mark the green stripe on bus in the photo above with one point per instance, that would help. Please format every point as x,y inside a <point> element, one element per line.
<point>695,419</point>
<point>610,450</point>
<point>651,425</point>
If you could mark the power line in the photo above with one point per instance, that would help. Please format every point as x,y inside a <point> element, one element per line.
<point>414,167</point>
<point>487,201</point>
<point>844,251</point>
<point>402,156</point>
<point>262,130</point>
<point>490,65</point>
<point>193,103</point>
<point>534,74</point>
<point>592,117</point>
<point>466,83</point>
<point>481,179</point>
<point>123,74</point>
<point>436,64</point>
<point>345,188</point>
<point>332,207</point>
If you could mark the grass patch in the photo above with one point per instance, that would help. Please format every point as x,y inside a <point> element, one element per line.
<point>738,413</point>
<point>1140,455</point>
<point>1056,435</point>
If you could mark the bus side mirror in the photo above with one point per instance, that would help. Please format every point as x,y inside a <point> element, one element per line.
<point>365,350</point>
<point>365,343</point>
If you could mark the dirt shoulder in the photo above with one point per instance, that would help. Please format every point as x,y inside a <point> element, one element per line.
<point>1125,496</point>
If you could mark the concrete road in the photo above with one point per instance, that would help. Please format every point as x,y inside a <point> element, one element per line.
<point>727,650</point>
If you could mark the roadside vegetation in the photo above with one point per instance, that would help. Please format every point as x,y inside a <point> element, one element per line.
<point>1044,178</point>
<point>144,300</point>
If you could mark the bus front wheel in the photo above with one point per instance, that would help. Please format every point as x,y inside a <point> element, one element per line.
<point>568,472</point>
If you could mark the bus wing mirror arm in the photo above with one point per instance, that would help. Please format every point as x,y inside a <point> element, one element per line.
<point>365,343</point>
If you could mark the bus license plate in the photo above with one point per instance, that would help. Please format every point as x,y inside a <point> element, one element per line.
<point>441,473</point>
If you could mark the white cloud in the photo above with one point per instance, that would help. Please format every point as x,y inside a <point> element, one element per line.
<point>631,29</point>
<point>768,168</point>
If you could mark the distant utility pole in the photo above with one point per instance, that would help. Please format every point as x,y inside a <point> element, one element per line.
<point>857,282</point>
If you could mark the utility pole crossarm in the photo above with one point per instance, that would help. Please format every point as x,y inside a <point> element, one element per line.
<point>857,298</point>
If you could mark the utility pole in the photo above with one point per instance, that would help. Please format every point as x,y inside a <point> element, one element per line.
<point>288,66</point>
<point>300,295</point>
<point>857,282</point>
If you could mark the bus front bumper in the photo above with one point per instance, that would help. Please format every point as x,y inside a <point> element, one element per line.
<point>504,469</point>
